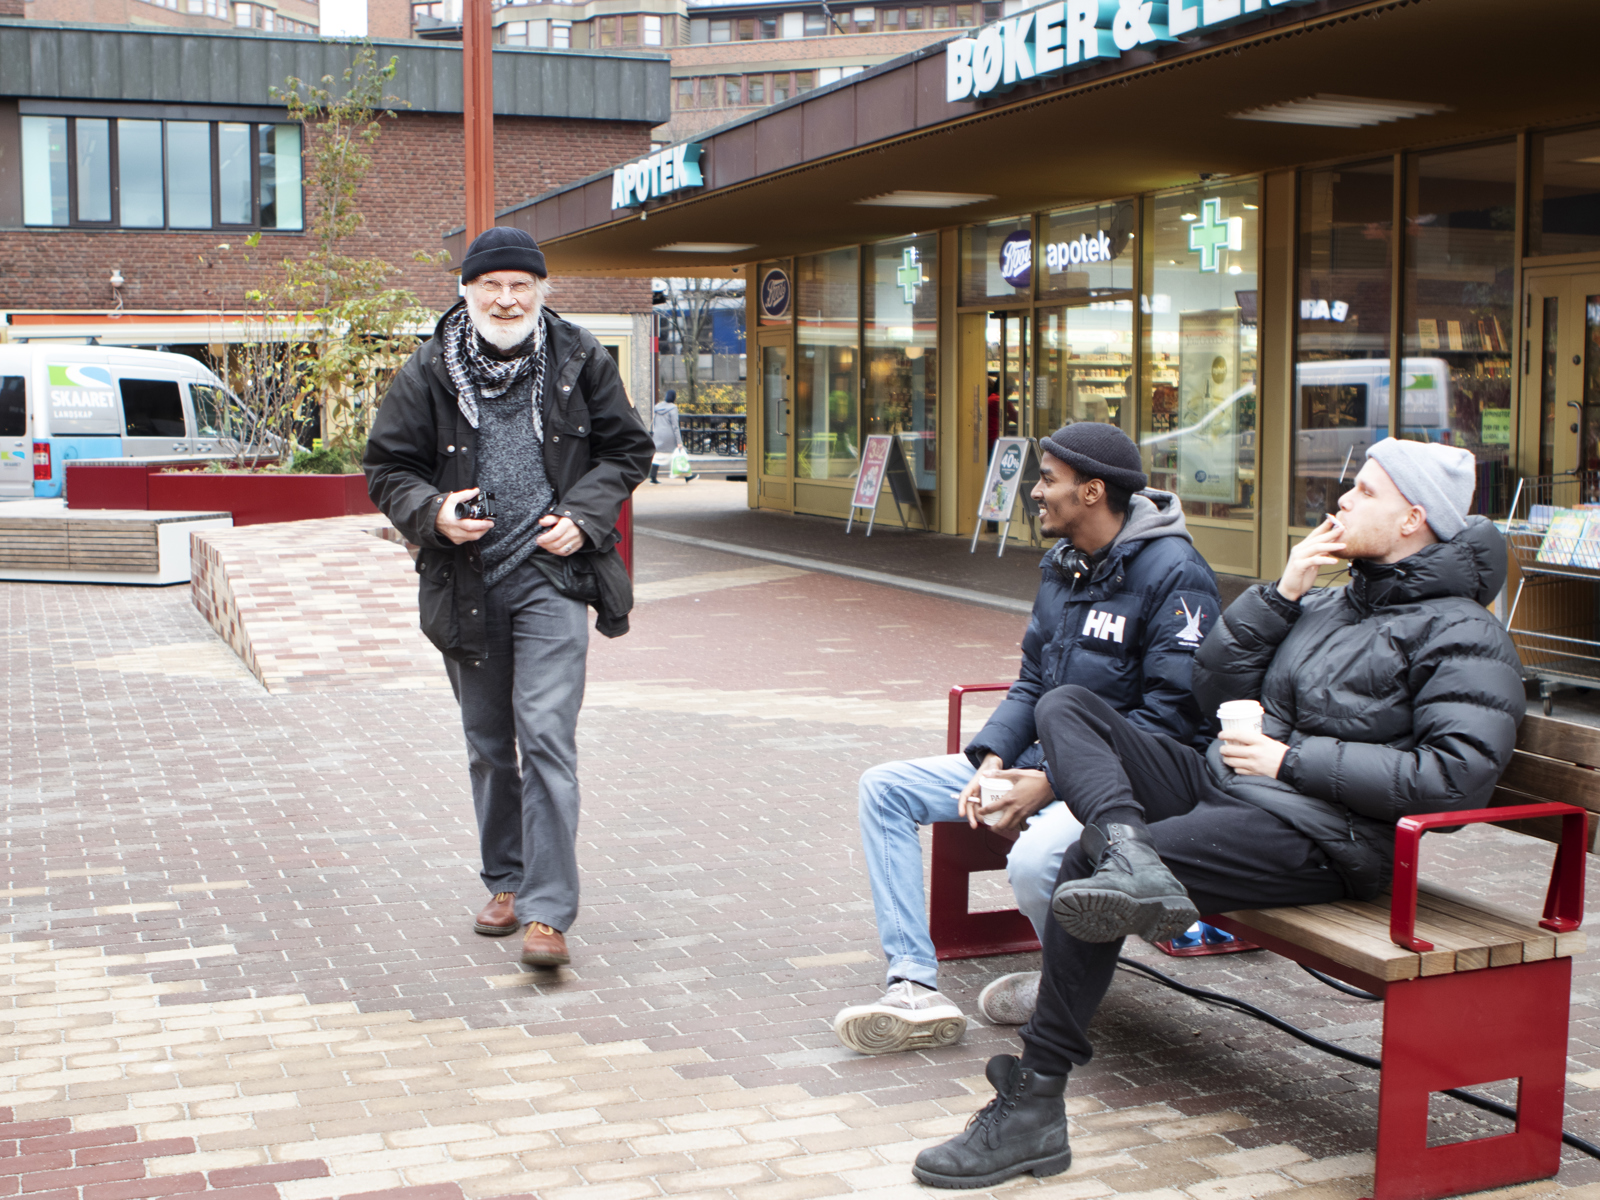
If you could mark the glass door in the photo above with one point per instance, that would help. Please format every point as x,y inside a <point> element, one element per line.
<point>771,446</point>
<point>1007,348</point>
<point>1563,318</point>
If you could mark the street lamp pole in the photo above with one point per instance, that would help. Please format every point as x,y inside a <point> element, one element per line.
<point>477,107</point>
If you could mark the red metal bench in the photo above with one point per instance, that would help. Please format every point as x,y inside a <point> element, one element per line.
<point>959,851</point>
<point>1473,993</point>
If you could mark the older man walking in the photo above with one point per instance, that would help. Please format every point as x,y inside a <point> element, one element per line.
<point>509,404</point>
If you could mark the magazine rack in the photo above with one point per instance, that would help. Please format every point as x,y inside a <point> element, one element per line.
<point>1554,537</point>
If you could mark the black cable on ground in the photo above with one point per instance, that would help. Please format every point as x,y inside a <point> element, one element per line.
<point>1310,1039</point>
<point>1338,985</point>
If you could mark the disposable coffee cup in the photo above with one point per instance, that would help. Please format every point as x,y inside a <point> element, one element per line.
<point>992,792</point>
<point>1239,715</point>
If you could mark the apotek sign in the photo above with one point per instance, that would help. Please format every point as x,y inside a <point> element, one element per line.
<point>1074,33</point>
<point>664,171</point>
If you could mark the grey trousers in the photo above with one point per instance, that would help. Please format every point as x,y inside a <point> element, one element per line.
<point>526,697</point>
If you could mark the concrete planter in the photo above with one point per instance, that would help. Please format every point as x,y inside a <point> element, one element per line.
<point>257,499</point>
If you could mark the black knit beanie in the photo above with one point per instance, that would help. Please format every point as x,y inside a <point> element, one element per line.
<point>503,248</point>
<point>1099,451</point>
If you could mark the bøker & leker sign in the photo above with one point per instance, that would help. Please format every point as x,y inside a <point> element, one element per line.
<point>1074,33</point>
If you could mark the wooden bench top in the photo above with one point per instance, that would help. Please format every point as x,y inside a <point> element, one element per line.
<point>1554,761</point>
<point>1467,933</point>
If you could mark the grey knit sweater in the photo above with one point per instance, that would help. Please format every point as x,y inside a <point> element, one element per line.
<point>511,465</point>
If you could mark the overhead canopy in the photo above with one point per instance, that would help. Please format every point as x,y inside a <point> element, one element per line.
<point>786,181</point>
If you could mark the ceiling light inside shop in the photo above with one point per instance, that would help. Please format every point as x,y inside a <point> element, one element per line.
<point>1340,112</point>
<point>707,247</point>
<point>926,199</point>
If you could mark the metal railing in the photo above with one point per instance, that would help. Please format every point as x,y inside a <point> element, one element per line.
<point>720,433</point>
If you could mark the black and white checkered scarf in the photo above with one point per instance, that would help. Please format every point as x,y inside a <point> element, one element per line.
<point>480,376</point>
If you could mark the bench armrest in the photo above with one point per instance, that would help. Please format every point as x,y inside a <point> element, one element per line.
<point>1563,902</point>
<point>952,735</point>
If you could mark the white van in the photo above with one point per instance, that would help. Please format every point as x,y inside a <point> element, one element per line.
<point>59,403</point>
<point>1343,407</point>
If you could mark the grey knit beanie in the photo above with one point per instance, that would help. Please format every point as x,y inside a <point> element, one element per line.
<point>1098,451</point>
<point>1439,479</point>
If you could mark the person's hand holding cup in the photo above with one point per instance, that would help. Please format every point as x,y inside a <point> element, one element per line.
<point>1245,749</point>
<point>993,792</point>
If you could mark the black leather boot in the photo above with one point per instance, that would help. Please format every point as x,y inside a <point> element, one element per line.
<point>1130,892</point>
<point>1023,1129</point>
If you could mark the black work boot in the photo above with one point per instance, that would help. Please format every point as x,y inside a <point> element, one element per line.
<point>1024,1128</point>
<point>1130,892</point>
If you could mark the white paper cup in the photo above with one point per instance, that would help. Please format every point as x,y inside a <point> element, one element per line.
<point>992,792</point>
<point>1237,715</point>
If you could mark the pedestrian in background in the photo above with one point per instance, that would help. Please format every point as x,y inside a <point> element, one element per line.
<point>668,437</point>
<point>511,403</point>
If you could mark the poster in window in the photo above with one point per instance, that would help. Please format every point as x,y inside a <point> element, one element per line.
<point>1209,393</point>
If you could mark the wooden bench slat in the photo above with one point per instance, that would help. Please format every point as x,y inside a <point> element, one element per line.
<point>1554,738</point>
<point>1537,944</point>
<point>1468,934</point>
<point>1534,775</point>
<point>1350,947</point>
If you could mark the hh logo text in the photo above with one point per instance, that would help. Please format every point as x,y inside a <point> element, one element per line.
<point>1104,625</point>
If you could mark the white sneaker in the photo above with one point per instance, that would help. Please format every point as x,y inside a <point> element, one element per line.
<point>907,1018</point>
<point>1011,999</point>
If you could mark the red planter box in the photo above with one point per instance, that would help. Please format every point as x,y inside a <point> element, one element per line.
<point>260,499</point>
<point>109,484</point>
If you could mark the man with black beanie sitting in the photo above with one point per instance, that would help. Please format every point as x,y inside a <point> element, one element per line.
<point>509,403</point>
<point>1399,694</point>
<point>1123,602</point>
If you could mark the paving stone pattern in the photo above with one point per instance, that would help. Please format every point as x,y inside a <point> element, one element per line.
<point>239,955</point>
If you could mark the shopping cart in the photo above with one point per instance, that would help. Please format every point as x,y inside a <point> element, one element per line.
<point>1554,619</point>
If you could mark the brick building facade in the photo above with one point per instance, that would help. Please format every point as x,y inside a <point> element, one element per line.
<point>412,197</point>
<point>148,158</point>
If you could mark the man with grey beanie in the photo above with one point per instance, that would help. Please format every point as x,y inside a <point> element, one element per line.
<point>510,405</point>
<point>1395,695</point>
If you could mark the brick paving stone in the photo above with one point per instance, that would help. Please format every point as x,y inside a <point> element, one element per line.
<point>239,957</point>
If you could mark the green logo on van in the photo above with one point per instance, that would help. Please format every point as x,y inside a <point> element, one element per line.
<point>79,376</point>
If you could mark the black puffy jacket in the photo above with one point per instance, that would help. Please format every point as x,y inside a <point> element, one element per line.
<point>596,452</point>
<point>1399,694</point>
<point>1128,633</point>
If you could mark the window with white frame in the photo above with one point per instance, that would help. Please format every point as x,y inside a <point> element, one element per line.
<point>133,173</point>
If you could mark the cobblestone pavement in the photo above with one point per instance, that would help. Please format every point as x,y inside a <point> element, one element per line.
<point>239,956</point>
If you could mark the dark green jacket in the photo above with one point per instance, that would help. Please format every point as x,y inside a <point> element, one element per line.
<point>596,451</point>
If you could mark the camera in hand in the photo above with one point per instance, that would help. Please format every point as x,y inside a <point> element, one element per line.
<point>476,509</point>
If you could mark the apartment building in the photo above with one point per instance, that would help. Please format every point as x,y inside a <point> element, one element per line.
<point>729,60</point>
<point>268,16</point>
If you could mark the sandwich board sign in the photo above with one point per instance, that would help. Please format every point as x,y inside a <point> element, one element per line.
<point>883,458</point>
<point>1013,468</point>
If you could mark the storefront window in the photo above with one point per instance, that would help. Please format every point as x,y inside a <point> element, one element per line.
<point>900,393</point>
<point>997,261</point>
<point>1198,425</point>
<point>827,308</point>
<point>1085,352</point>
<point>1459,295</point>
<point>1345,295</point>
<point>1565,215</point>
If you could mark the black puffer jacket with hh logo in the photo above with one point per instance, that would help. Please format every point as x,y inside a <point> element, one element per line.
<point>1128,633</point>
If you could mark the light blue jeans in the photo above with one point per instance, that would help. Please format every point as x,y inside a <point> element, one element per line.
<point>896,799</point>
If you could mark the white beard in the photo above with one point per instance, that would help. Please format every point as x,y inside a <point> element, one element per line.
<point>499,334</point>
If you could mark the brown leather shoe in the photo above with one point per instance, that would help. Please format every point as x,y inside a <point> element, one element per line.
<point>499,916</point>
<point>544,947</point>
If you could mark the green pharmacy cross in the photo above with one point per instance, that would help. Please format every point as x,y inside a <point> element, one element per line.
<point>910,274</point>
<point>1212,234</point>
